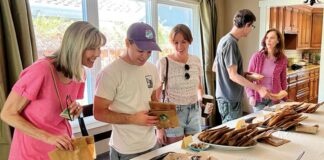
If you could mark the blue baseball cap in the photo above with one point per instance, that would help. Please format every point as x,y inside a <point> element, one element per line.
<point>143,36</point>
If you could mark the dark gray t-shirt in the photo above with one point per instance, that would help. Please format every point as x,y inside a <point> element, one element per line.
<point>228,54</point>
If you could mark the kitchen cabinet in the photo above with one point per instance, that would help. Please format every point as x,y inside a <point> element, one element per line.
<point>311,85</point>
<point>292,86</point>
<point>304,34</point>
<point>276,18</point>
<point>315,88</point>
<point>317,22</point>
<point>285,19</point>
<point>303,85</point>
<point>290,20</point>
<point>300,25</point>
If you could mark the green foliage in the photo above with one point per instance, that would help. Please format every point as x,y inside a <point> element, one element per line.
<point>163,39</point>
<point>51,26</point>
<point>49,32</point>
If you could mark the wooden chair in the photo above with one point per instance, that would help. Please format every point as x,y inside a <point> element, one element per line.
<point>88,111</point>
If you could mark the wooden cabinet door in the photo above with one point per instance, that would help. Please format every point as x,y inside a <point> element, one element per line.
<point>316,83</point>
<point>276,18</point>
<point>287,19</point>
<point>300,29</point>
<point>302,90</point>
<point>316,35</point>
<point>273,18</point>
<point>302,97</point>
<point>292,91</point>
<point>294,20</point>
<point>305,29</point>
<point>308,27</point>
<point>311,89</point>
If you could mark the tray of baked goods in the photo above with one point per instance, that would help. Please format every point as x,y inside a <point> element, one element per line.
<point>239,138</point>
<point>282,119</point>
<point>299,107</point>
<point>286,118</point>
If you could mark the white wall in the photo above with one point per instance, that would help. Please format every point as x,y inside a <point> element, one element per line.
<point>321,80</point>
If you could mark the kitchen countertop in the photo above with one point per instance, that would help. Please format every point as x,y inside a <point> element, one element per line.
<point>305,68</point>
<point>310,144</point>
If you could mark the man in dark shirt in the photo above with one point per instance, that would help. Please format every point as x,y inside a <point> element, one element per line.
<point>228,65</point>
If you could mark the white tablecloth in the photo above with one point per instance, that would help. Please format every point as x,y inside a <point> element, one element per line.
<point>313,145</point>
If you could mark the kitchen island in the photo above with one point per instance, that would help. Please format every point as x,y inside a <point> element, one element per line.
<point>311,144</point>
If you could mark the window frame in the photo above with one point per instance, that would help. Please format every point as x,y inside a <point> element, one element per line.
<point>90,13</point>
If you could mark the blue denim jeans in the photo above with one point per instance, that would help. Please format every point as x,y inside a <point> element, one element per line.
<point>260,105</point>
<point>229,110</point>
<point>114,155</point>
<point>189,121</point>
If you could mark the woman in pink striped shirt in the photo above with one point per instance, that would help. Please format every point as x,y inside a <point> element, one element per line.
<point>270,62</point>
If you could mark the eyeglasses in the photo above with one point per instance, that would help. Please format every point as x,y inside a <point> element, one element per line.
<point>68,101</point>
<point>187,67</point>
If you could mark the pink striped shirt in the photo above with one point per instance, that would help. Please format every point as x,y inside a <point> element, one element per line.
<point>279,78</point>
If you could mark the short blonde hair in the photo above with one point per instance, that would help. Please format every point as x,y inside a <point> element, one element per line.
<point>184,30</point>
<point>79,37</point>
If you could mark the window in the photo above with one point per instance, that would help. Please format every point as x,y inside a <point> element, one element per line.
<point>171,14</point>
<point>114,19</point>
<point>52,17</point>
<point>50,20</point>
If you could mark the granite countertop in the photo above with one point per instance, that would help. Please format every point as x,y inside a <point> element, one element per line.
<point>305,68</point>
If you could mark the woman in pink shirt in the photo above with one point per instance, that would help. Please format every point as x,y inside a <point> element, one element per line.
<point>270,62</point>
<point>34,105</point>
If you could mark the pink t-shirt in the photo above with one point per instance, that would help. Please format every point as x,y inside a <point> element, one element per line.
<point>267,71</point>
<point>36,84</point>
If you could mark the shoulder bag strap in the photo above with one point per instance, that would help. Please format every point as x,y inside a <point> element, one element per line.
<point>59,97</point>
<point>165,79</point>
<point>55,86</point>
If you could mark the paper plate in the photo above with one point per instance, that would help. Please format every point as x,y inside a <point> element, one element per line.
<point>231,148</point>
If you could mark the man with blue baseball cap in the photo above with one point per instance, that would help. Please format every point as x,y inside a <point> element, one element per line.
<point>123,91</point>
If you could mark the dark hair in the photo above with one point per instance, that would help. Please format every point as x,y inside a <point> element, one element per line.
<point>243,17</point>
<point>279,48</point>
<point>184,30</point>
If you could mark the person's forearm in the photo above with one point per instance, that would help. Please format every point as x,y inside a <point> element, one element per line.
<point>109,116</point>
<point>11,114</point>
<point>18,122</point>
<point>154,96</point>
<point>244,82</point>
<point>200,93</point>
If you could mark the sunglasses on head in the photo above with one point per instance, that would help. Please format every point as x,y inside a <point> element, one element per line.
<point>187,75</point>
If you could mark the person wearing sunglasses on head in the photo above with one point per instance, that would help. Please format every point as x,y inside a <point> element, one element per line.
<point>183,86</point>
<point>46,92</point>
<point>228,66</point>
